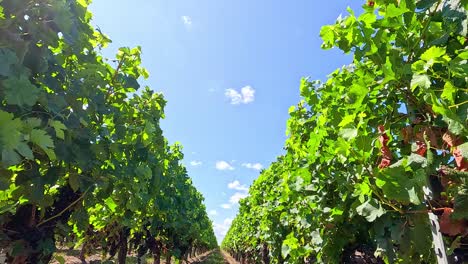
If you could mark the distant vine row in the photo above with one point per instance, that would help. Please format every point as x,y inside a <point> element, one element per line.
<point>365,144</point>
<point>84,162</point>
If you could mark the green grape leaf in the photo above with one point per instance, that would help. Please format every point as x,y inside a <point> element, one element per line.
<point>10,135</point>
<point>449,92</point>
<point>10,139</point>
<point>20,91</point>
<point>111,204</point>
<point>433,53</point>
<point>393,11</point>
<point>144,171</point>
<point>371,210</point>
<point>460,209</point>
<point>396,184</point>
<point>8,58</point>
<point>328,37</point>
<point>422,81</point>
<point>81,218</point>
<point>348,133</point>
<point>74,181</point>
<point>289,244</point>
<point>10,157</point>
<point>455,124</point>
<point>25,150</point>
<point>44,141</point>
<point>59,127</point>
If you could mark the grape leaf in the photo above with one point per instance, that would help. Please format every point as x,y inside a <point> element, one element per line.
<point>10,139</point>
<point>59,127</point>
<point>25,150</point>
<point>74,181</point>
<point>433,53</point>
<point>449,92</point>
<point>460,209</point>
<point>348,133</point>
<point>8,58</point>
<point>20,91</point>
<point>10,157</point>
<point>371,210</point>
<point>422,81</point>
<point>394,11</point>
<point>396,184</point>
<point>44,141</point>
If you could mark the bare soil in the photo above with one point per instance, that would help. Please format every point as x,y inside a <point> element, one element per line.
<point>72,257</point>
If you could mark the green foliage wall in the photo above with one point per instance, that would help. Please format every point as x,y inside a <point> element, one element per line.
<point>363,145</point>
<point>81,152</point>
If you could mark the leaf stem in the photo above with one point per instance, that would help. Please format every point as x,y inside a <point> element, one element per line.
<point>383,200</point>
<point>457,105</point>
<point>63,211</point>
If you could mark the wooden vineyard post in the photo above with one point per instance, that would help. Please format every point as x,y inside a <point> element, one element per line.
<point>437,237</point>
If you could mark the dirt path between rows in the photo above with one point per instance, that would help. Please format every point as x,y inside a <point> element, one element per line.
<point>229,258</point>
<point>200,258</point>
<point>215,257</point>
<point>212,257</point>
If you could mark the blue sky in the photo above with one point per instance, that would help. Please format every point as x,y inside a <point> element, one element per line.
<point>229,70</point>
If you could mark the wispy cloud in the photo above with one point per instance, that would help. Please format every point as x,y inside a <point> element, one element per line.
<point>226,206</point>
<point>223,165</point>
<point>235,198</point>
<point>221,229</point>
<point>245,96</point>
<point>254,166</point>
<point>236,185</point>
<point>187,21</point>
<point>196,163</point>
<point>242,192</point>
<point>213,212</point>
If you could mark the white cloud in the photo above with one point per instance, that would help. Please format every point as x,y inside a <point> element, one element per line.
<point>235,185</point>
<point>234,96</point>
<point>221,229</point>
<point>213,212</point>
<point>223,165</point>
<point>196,163</point>
<point>235,198</point>
<point>226,206</point>
<point>187,21</point>
<point>242,192</point>
<point>245,96</point>
<point>254,166</point>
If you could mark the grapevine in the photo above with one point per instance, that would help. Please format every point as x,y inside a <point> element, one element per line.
<point>84,161</point>
<point>364,144</point>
